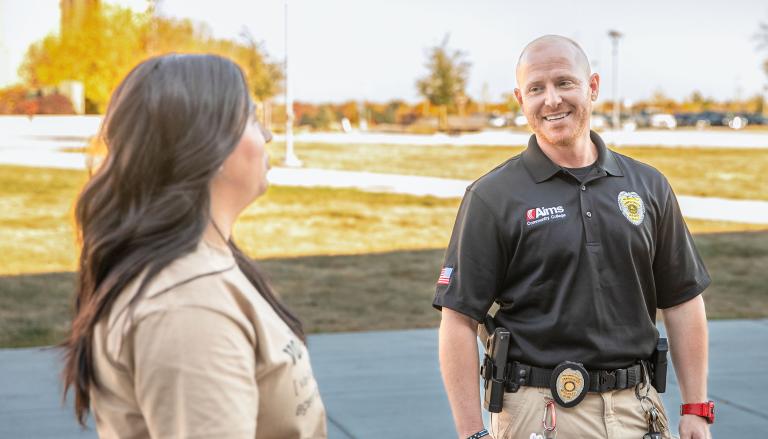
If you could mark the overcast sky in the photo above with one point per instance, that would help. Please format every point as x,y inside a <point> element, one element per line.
<point>375,49</point>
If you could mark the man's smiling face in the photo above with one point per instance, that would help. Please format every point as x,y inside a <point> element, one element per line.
<point>556,91</point>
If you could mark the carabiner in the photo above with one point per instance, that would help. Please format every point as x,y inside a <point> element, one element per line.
<point>549,408</point>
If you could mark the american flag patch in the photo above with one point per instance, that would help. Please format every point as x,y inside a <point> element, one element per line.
<point>445,276</point>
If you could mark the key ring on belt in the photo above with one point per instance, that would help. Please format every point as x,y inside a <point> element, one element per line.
<point>644,381</point>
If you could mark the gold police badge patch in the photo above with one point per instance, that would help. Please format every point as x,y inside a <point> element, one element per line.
<point>632,207</point>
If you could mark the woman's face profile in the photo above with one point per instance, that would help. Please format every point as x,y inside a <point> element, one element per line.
<point>245,170</point>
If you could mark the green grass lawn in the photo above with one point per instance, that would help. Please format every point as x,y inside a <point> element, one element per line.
<point>344,259</point>
<point>377,291</point>
<point>726,173</point>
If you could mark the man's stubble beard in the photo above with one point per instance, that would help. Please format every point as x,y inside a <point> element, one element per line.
<point>581,114</point>
<point>582,126</point>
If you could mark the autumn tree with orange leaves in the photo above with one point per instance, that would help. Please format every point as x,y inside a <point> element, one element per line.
<point>111,40</point>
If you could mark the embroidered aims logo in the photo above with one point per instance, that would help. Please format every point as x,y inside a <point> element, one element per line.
<point>541,214</point>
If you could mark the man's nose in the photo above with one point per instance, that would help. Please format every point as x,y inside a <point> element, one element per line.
<point>552,97</point>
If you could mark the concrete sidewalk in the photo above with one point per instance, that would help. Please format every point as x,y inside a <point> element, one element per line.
<point>706,208</point>
<point>681,138</point>
<point>719,209</point>
<point>39,143</point>
<point>386,384</point>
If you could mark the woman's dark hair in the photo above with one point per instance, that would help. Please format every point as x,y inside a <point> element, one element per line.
<point>168,128</point>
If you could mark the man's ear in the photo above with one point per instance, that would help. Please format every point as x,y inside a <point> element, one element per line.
<point>519,97</point>
<point>594,86</point>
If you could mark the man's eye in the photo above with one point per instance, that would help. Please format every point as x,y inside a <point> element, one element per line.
<point>566,83</point>
<point>534,89</point>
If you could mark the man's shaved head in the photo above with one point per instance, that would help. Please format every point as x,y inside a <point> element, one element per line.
<point>565,46</point>
<point>555,89</point>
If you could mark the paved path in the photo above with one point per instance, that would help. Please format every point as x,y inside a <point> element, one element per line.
<point>663,138</point>
<point>386,384</point>
<point>745,211</point>
<point>44,152</point>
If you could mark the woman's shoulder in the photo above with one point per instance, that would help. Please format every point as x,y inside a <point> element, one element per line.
<point>194,279</point>
<point>201,279</point>
<point>202,267</point>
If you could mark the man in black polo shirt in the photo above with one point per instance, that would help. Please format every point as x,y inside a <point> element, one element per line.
<point>579,246</point>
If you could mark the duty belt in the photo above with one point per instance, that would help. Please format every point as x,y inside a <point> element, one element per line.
<point>599,380</point>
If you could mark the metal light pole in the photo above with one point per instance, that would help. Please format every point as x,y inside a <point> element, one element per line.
<point>615,118</point>
<point>765,100</point>
<point>290,156</point>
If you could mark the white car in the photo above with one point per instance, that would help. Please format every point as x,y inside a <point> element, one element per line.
<point>738,122</point>
<point>598,122</point>
<point>521,120</point>
<point>663,120</point>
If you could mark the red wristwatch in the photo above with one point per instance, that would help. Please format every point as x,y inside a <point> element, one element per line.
<point>704,409</point>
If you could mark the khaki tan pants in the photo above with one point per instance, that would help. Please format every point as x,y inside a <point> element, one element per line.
<point>610,415</point>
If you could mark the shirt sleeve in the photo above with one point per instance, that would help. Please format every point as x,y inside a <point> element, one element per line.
<point>679,273</point>
<point>475,261</point>
<point>194,375</point>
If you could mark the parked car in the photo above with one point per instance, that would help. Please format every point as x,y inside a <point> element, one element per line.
<point>497,120</point>
<point>685,119</point>
<point>520,120</point>
<point>709,118</point>
<point>642,119</point>
<point>756,119</point>
<point>663,120</point>
<point>736,121</point>
<point>598,122</point>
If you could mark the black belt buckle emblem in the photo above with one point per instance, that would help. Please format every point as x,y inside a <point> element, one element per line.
<point>569,383</point>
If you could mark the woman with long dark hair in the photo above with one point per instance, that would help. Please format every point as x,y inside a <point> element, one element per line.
<point>176,332</point>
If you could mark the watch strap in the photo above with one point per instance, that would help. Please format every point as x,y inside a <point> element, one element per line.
<point>479,434</point>
<point>704,409</point>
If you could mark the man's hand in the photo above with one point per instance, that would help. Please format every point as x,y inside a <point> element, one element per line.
<point>694,427</point>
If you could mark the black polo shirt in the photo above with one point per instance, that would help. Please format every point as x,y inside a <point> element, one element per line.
<point>577,268</point>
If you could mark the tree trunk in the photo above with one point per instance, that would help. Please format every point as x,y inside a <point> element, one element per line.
<point>442,121</point>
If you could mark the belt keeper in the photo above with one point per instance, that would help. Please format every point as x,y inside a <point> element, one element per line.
<point>632,378</point>
<point>621,378</point>
<point>522,375</point>
<point>607,380</point>
<point>518,376</point>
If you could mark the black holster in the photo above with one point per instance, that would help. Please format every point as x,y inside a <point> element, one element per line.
<point>659,365</point>
<point>494,366</point>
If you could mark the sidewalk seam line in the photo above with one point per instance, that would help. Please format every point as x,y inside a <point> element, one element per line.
<point>339,426</point>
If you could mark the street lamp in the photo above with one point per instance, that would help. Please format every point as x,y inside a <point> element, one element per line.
<point>765,99</point>
<point>290,156</point>
<point>615,36</point>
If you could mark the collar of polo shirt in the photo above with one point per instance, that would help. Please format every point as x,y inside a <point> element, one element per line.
<point>542,168</point>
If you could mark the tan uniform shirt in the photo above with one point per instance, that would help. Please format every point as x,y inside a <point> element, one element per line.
<point>203,355</point>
